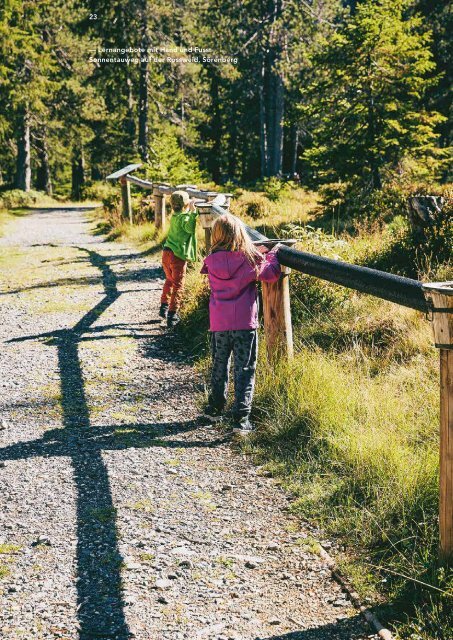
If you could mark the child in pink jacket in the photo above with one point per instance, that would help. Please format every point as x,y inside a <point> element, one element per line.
<point>233,267</point>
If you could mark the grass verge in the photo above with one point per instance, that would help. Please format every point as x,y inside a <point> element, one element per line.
<point>350,426</point>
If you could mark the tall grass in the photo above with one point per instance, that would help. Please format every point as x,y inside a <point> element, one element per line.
<point>359,452</point>
<point>350,426</point>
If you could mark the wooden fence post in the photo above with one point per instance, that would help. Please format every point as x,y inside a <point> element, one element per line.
<point>277,317</point>
<point>126,199</point>
<point>207,218</point>
<point>440,295</point>
<point>207,239</point>
<point>159,209</point>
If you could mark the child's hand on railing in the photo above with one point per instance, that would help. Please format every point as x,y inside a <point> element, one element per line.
<point>262,249</point>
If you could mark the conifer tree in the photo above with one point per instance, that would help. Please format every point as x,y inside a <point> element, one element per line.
<point>367,97</point>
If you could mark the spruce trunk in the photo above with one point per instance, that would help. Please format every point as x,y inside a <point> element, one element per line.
<point>23,171</point>
<point>216,129</point>
<point>264,146</point>
<point>78,173</point>
<point>143,104</point>
<point>43,177</point>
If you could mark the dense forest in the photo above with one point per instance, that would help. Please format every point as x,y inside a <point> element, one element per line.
<point>322,118</point>
<point>323,91</point>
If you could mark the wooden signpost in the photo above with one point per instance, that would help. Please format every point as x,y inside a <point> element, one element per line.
<point>440,294</point>
<point>121,175</point>
<point>126,199</point>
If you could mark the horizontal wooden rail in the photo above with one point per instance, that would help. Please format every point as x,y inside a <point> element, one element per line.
<point>145,184</point>
<point>436,298</point>
<point>387,286</point>
<point>160,190</point>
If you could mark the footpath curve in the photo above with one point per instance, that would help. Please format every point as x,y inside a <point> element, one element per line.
<point>122,514</point>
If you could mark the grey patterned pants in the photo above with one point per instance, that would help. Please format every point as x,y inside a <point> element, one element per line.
<point>244,346</point>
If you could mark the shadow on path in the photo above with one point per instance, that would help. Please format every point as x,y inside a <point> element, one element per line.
<point>100,600</point>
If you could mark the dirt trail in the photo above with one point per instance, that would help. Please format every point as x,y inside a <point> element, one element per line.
<point>123,515</point>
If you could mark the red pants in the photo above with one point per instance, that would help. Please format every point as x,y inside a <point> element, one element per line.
<point>175,274</point>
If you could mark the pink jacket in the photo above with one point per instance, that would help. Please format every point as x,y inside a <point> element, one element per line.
<point>233,303</point>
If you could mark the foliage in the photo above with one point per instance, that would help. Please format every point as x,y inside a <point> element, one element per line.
<point>419,251</point>
<point>273,187</point>
<point>100,191</point>
<point>251,205</point>
<point>169,162</point>
<point>372,74</point>
<point>329,92</point>
<point>16,199</point>
<point>348,200</point>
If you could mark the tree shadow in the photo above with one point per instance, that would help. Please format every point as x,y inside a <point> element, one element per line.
<point>131,275</point>
<point>100,602</point>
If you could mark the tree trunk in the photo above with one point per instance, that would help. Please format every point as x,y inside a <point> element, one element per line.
<point>130,120</point>
<point>272,106</point>
<point>129,146</point>
<point>216,128</point>
<point>272,99</point>
<point>278,99</point>
<point>143,105</point>
<point>43,177</point>
<point>96,173</point>
<point>78,173</point>
<point>232,143</point>
<point>23,170</point>
<point>373,160</point>
<point>295,147</point>
<point>264,146</point>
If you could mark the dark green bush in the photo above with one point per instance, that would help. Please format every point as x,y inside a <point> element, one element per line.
<point>15,199</point>
<point>350,201</point>
<point>100,191</point>
<point>112,201</point>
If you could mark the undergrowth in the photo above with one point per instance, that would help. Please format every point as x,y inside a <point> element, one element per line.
<point>350,425</point>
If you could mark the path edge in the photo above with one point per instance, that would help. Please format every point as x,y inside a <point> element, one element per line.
<point>368,615</point>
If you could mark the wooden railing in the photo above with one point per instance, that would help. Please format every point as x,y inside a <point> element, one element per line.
<point>434,299</point>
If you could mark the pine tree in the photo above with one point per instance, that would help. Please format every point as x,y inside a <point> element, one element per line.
<point>26,69</point>
<point>366,100</point>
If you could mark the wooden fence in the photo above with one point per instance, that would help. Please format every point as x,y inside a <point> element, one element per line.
<point>434,299</point>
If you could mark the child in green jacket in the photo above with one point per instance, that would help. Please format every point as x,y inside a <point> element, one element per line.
<point>179,249</point>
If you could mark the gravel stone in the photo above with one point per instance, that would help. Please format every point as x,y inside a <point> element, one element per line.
<point>114,484</point>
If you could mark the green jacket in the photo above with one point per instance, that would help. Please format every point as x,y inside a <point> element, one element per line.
<point>181,237</point>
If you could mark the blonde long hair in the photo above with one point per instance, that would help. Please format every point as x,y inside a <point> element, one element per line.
<point>229,234</point>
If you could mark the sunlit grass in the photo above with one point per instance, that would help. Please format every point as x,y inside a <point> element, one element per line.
<point>350,426</point>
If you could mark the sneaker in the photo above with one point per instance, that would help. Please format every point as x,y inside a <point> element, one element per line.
<point>213,413</point>
<point>163,311</point>
<point>172,319</point>
<point>243,427</point>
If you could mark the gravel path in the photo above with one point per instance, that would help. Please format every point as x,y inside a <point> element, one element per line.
<point>123,515</point>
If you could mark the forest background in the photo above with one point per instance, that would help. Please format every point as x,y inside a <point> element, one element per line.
<point>329,116</point>
<point>353,93</point>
